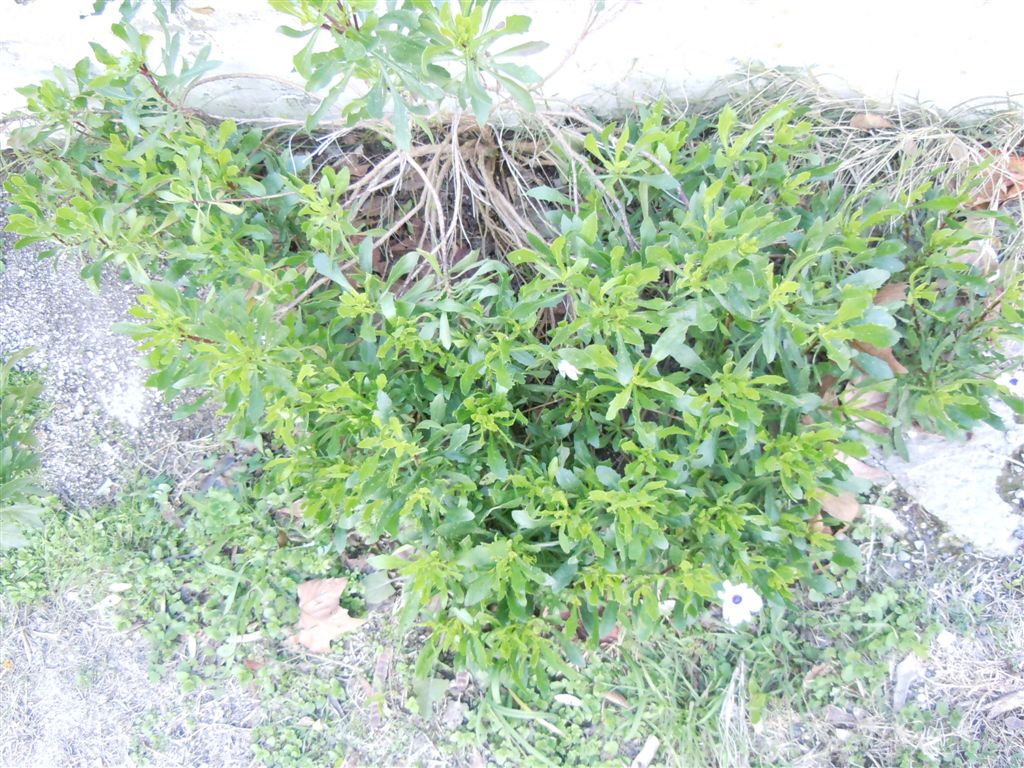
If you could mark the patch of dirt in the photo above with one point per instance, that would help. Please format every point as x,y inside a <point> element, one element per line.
<point>76,692</point>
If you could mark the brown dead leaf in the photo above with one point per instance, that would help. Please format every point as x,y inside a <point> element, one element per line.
<point>817,525</point>
<point>868,400</point>
<point>292,512</point>
<point>842,507</point>
<point>864,471</point>
<point>839,717</point>
<point>891,292</point>
<point>321,619</point>
<point>382,669</point>
<point>883,354</point>
<point>1004,179</point>
<point>817,671</point>
<point>870,121</point>
<point>616,698</point>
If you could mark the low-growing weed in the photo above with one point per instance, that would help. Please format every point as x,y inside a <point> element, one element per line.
<point>20,494</point>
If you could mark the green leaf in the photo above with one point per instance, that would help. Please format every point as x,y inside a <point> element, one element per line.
<point>400,118</point>
<point>618,403</point>
<point>444,331</point>
<point>549,195</point>
<point>876,335</point>
<point>479,588</point>
<point>323,264</point>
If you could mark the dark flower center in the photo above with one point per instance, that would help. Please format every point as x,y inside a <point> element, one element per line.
<point>1013,382</point>
<point>737,599</point>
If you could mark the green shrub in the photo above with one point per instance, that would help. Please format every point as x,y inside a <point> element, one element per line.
<point>588,433</point>
<point>20,508</point>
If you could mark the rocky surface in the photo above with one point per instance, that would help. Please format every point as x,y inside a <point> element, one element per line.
<point>959,483</point>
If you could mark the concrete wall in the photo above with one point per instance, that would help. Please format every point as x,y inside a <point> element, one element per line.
<point>932,50</point>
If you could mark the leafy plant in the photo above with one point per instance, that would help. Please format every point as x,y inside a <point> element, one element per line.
<point>20,508</point>
<point>546,444</point>
<point>408,58</point>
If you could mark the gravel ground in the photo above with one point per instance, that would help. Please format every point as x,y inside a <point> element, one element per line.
<point>102,424</point>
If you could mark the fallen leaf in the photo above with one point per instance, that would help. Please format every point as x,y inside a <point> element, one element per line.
<point>321,619</point>
<point>382,669</point>
<point>864,471</point>
<point>120,586</point>
<point>817,671</point>
<point>870,121</point>
<point>907,672</point>
<point>891,292</point>
<point>843,507</point>
<point>647,753</point>
<point>884,354</point>
<point>205,10</point>
<point>293,511</point>
<point>107,602</point>
<point>1007,703</point>
<point>840,717</point>
<point>867,400</point>
<point>1004,179</point>
<point>616,698</point>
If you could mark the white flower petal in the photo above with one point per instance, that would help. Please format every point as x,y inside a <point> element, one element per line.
<point>1014,381</point>
<point>734,615</point>
<point>739,603</point>
<point>568,370</point>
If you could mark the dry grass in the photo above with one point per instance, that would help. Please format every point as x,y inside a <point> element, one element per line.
<point>76,692</point>
<point>921,144</point>
<point>976,660</point>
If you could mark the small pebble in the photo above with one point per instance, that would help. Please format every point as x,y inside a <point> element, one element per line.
<point>903,557</point>
<point>919,544</point>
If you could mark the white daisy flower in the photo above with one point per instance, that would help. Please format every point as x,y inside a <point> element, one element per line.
<point>567,369</point>
<point>739,603</point>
